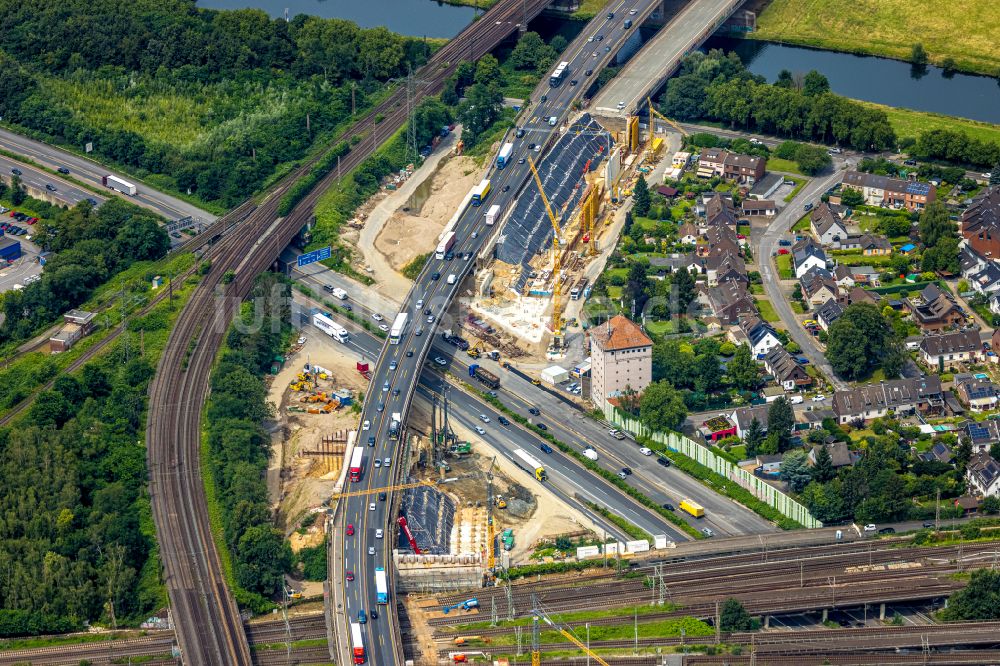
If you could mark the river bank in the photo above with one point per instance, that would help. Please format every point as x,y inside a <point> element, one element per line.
<point>966,32</point>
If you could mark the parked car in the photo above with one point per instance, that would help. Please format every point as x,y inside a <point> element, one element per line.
<point>870,527</point>
<point>782,251</point>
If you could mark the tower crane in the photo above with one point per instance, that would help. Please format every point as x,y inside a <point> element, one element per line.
<point>557,336</point>
<point>536,656</point>
<point>652,112</point>
<point>490,527</point>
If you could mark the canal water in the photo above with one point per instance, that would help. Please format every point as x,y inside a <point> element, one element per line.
<point>880,80</point>
<point>417,18</point>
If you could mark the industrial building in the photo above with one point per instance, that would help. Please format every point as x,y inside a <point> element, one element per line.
<point>10,249</point>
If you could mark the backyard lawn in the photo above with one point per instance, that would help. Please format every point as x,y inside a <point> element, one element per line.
<point>767,311</point>
<point>784,263</point>
<point>966,31</point>
<point>778,164</point>
<point>802,224</point>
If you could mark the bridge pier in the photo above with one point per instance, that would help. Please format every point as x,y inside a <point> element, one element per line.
<point>881,611</point>
<point>826,613</point>
<point>767,621</point>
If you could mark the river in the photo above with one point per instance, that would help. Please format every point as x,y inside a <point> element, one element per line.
<point>417,18</point>
<point>872,79</point>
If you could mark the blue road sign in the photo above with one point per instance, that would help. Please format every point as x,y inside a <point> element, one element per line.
<point>314,256</point>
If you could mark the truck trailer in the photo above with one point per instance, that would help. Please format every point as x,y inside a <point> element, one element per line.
<point>330,327</point>
<point>531,464</point>
<point>356,461</point>
<point>445,245</point>
<point>381,586</point>
<point>118,185</point>
<point>395,425</point>
<point>357,645</point>
<point>692,507</point>
<point>485,377</point>
<point>492,214</point>
<point>504,155</point>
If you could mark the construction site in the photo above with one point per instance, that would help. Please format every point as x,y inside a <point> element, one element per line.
<point>557,235</point>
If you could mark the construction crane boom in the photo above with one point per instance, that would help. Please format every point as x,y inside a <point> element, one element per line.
<point>652,112</point>
<point>372,491</point>
<point>556,261</point>
<point>567,635</point>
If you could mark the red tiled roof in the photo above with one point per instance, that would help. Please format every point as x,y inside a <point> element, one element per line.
<point>619,333</point>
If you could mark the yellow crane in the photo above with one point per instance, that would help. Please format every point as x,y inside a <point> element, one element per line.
<point>372,491</point>
<point>652,112</point>
<point>536,656</point>
<point>557,339</point>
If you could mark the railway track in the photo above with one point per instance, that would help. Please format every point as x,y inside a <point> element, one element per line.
<point>206,616</point>
<point>954,658</point>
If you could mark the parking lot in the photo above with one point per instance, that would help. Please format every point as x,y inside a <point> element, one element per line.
<point>25,270</point>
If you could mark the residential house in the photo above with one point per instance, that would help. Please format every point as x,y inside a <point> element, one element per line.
<point>981,223</point>
<point>982,434</point>
<point>759,207</point>
<point>857,295</point>
<point>730,300</point>
<point>828,313</point>
<point>687,234</point>
<point>849,242</point>
<point>977,394</point>
<point>987,280</point>
<point>866,275</point>
<point>903,396</point>
<point>760,335</point>
<point>908,249</point>
<point>938,453</point>
<point>818,286</point>
<point>744,169</point>
<point>766,186</point>
<point>676,262</point>
<point>982,475</point>
<point>725,267</point>
<point>826,225</point>
<point>807,255</point>
<point>720,211</point>
<point>873,245</point>
<point>971,262</point>
<point>667,191</point>
<point>621,357</point>
<point>937,310</point>
<point>840,454</point>
<point>843,277</point>
<point>787,372</point>
<point>892,192</point>
<point>995,302</point>
<point>744,416</point>
<point>716,428</point>
<point>943,352</point>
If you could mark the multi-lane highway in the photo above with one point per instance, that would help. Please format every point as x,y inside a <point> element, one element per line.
<point>395,377</point>
<point>38,179</point>
<point>90,172</point>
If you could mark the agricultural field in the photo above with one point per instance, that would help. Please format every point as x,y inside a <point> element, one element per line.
<point>967,32</point>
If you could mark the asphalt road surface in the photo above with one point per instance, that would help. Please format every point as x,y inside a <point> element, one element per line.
<point>65,191</point>
<point>88,171</point>
<point>765,251</point>
<point>363,552</point>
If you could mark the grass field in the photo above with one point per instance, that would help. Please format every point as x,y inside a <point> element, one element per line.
<point>912,123</point>
<point>778,164</point>
<point>966,31</point>
<point>767,311</point>
<point>784,262</point>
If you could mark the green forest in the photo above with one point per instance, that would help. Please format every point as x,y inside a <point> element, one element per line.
<point>239,447</point>
<point>214,103</point>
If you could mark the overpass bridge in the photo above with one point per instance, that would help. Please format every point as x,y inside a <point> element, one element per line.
<point>660,57</point>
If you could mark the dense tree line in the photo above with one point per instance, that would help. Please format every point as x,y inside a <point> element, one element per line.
<point>862,340</point>
<point>90,247</point>
<point>322,66</point>
<point>76,540</point>
<point>717,86</point>
<point>955,146</point>
<point>239,446</point>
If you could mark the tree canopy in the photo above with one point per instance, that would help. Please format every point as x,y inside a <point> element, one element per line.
<point>862,340</point>
<point>662,407</point>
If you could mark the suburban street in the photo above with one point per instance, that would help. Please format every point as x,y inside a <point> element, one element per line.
<point>779,226</point>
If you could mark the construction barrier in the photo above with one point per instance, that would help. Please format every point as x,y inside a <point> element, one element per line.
<point>760,489</point>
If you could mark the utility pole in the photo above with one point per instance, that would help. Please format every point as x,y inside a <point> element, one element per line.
<point>937,511</point>
<point>536,650</point>
<point>718,624</point>
<point>588,644</point>
<point>635,630</point>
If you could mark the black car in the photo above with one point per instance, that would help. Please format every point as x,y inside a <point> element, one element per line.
<point>668,506</point>
<point>663,461</point>
<point>409,353</point>
<point>928,525</point>
<point>544,99</point>
<point>436,276</point>
<point>506,187</point>
<point>347,306</point>
<point>545,448</point>
<point>92,202</point>
<point>16,172</point>
<point>328,288</point>
<point>541,426</point>
<point>519,133</point>
<point>887,530</point>
<point>503,420</point>
<point>371,441</point>
<point>381,497</point>
<point>533,410</point>
<point>449,256</point>
<point>573,82</point>
<point>50,187</point>
<point>63,170</point>
<point>531,146</point>
<point>627,471</point>
<point>588,72</point>
<point>611,15</point>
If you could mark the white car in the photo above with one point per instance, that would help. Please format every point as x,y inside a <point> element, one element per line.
<point>480,430</point>
<point>632,12</point>
<point>371,550</point>
<point>988,175</point>
<point>377,463</point>
<point>377,317</point>
<point>870,527</point>
<point>302,340</point>
<point>590,39</point>
<point>819,398</point>
<point>371,507</point>
<point>366,425</point>
<point>646,451</point>
<point>378,534</point>
<point>420,303</point>
<point>484,418</point>
<point>383,328</point>
<point>386,462</point>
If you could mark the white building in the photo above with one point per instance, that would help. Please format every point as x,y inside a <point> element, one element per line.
<point>982,475</point>
<point>621,357</point>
